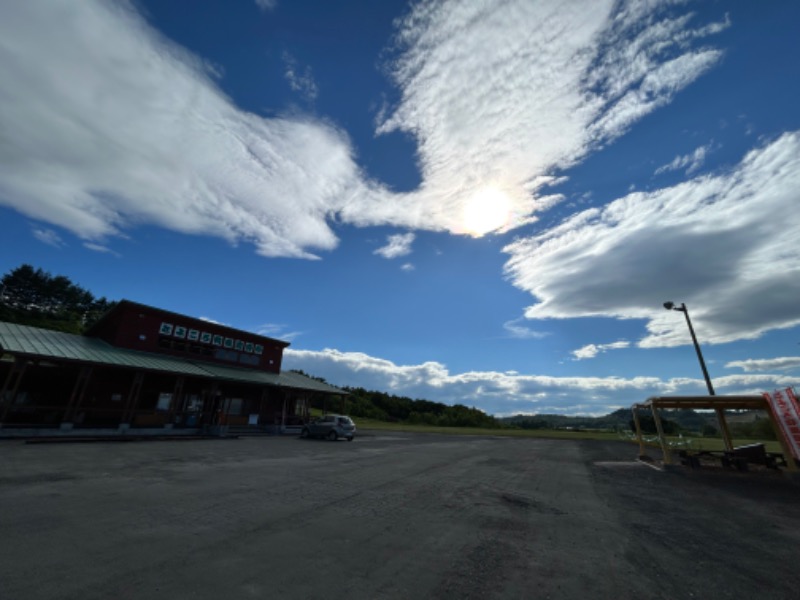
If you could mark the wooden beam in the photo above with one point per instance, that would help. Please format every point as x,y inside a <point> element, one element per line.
<point>637,424</point>
<point>726,433</point>
<point>12,382</point>
<point>661,436</point>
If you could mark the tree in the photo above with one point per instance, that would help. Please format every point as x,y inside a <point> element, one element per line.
<point>34,297</point>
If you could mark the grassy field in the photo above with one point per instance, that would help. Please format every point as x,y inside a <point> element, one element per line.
<point>676,443</point>
<point>370,424</point>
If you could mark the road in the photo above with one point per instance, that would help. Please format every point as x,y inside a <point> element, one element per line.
<point>387,516</point>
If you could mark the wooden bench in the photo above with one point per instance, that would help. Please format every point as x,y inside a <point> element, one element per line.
<point>737,458</point>
<point>755,454</point>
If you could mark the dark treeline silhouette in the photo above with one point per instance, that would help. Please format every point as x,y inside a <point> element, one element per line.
<point>34,297</point>
<point>371,404</point>
<point>388,407</point>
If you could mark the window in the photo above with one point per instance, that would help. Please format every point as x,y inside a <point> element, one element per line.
<point>164,401</point>
<point>235,407</point>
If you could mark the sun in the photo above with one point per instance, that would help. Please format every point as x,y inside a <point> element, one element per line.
<point>488,210</point>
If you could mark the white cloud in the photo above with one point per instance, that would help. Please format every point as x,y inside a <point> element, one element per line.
<point>407,267</point>
<point>783,363</point>
<point>100,248</point>
<point>300,80</point>
<point>502,94</point>
<point>592,350</point>
<point>266,5</point>
<point>277,331</point>
<point>511,392</point>
<point>691,162</point>
<point>48,236</point>
<point>210,320</point>
<point>396,245</point>
<point>726,245</point>
<point>517,329</point>
<point>141,133</point>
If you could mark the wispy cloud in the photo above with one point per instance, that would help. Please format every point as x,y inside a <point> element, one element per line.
<point>407,267</point>
<point>712,242</point>
<point>100,248</point>
<point>396,245</point>
<point>492,101</point>
<point>753,365</point>
<point>691,162</point>
<point>141,133</point>
<point>300,79</point>
<point>592,350</point>
<point>266,5</point>
<point>511,392</point>
<point>277,331</point>
<point>495,102</point>
<point>518,329</point>
<point>48,236</point>
<point>215,322</point>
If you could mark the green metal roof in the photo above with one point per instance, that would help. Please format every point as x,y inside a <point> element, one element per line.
<point>238,374</point>
<point>32,341</point>
<point>296,380</point>
<point>44,343</point>
<point>286,379</point>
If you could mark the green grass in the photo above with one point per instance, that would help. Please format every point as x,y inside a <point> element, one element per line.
<point>371,424</point>
<point>676,443</point>
<point>716,444</point>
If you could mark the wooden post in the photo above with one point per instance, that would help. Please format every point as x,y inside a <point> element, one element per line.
<point>661,437</point>
<point>78,393</point>
<point>132,400</point>
<point>726,433</point>
<point>177,397</point>
<point>638,426</point>
<point>13,382</point>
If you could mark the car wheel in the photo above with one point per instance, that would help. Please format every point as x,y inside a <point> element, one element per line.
<point>332,436</point>
<point>304,433</point>
<point>350,439</point>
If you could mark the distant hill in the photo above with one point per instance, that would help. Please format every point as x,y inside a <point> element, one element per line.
<point>687,420</point>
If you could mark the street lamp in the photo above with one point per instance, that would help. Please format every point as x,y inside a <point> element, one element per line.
<point>682,308</point>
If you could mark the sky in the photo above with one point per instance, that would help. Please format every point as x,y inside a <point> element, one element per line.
<point>483,202</point>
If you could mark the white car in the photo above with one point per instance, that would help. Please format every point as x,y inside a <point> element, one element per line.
<point>330,426</point>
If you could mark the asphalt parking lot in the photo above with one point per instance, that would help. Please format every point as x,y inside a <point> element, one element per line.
<point>387,516</point>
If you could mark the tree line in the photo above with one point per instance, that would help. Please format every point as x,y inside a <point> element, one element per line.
<point>34,297</point>
<point>381,406</point>
<point>389,407</point>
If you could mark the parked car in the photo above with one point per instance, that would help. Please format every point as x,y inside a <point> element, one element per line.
<point>330,426</point>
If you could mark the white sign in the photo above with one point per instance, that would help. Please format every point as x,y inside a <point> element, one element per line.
<point>786,409</point>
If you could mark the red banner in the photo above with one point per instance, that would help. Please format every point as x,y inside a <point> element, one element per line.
<point>787,410</point>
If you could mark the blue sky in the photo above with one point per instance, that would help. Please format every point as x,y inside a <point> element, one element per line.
<point>475,202</point>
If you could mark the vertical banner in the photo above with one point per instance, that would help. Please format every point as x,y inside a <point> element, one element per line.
<point>785,408</point>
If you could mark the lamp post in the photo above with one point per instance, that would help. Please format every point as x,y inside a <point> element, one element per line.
<point>682,308</point>
<point>726,434</point>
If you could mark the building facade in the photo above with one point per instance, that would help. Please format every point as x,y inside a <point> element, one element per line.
<point>150,371</point>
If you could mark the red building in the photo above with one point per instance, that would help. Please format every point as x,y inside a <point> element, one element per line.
<point>151,371</point>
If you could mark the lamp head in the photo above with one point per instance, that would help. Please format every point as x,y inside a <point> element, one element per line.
<point>669,305</point>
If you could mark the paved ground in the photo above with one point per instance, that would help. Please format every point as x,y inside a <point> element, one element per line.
<point>387,516</point>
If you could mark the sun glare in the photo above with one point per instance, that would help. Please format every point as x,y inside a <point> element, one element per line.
<point>488,210</point>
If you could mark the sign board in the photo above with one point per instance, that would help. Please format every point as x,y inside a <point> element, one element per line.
<point>786,410</point>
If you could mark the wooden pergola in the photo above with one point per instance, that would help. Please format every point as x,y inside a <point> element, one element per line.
<point>719,404</point>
